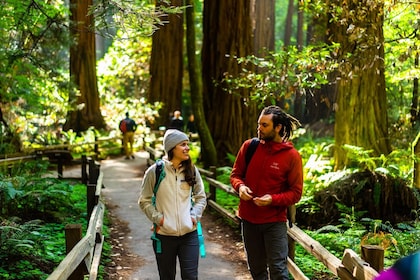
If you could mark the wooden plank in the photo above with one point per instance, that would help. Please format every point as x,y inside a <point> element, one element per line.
<point>360,269</point>
<point>73,259</point>
<point>14,159</point>
<point>205,173</point>
<point>222,211</point>
<point>227,188</point>
<point>295,271</point>
<point>84,250</point>
<point>344,274</point>
<point>96,260</point>
<point>315,248</point>
<point>99,184</point>
<point>97,213</point>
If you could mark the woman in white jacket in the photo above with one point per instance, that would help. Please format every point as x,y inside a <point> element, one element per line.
<point>175,209</point>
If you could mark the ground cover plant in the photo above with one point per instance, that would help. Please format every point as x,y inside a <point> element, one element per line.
<point>34,211</point>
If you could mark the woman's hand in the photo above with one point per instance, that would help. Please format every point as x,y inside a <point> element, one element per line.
<point>194,221</point>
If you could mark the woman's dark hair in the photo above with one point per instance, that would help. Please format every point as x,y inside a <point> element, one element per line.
<point>288,122</point>
<point>189,170</point>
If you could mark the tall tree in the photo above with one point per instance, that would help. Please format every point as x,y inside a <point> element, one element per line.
<point>227,35</point>
<point>263,15</point>
<point>208,150</point>
<point>415,100</point>
<point>86,110</point>
<point>361,112</point>
<point>166,63</point>
<point>288,30</point>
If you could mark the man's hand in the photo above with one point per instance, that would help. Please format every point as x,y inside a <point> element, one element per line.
<point>245,193</point>
<point>263,200</point>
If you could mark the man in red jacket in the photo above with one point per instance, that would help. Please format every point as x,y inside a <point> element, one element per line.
<point>272,181</point>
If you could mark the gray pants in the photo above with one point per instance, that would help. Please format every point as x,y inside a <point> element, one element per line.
<point>266,247</point>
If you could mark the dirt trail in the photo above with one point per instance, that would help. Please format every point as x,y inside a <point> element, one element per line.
<point>132,253</point>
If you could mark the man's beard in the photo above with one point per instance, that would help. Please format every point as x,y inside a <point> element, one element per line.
<point>266,137</point>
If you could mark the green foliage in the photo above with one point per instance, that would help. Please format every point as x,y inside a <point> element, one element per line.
<point>285,72</point>
<point>401,33</point>
<point>394,164</point>
<point>31,250</point>
<point>134,17</point>
<point>32,197</point>
<point>33,82</point>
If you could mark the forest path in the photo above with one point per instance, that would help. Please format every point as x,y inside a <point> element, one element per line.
<point>132,254</point>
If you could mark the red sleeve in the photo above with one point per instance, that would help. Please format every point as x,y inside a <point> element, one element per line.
<point>295,182</point>
<point>238,171</point>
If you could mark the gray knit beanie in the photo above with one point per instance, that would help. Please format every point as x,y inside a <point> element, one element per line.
<point>172,138</point>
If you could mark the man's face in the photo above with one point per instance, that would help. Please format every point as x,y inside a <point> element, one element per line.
<point>265,128</point>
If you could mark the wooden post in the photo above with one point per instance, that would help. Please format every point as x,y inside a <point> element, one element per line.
<point>84,172</point>
<point>91,187</point>
<point>373,255</point>
<point>292,247</point>
<point>96,147</point>
<point>73,234</point>
<point>212,188</point>
<point>59,165</point>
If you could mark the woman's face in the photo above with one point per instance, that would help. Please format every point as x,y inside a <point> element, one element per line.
<point>181,151</point>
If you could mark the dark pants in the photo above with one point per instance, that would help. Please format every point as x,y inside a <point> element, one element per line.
<point>266,247</point>
<point>186,248</point>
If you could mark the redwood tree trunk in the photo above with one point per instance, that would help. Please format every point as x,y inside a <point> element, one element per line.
<point>227,34</point>
<point>208,150</point>
<point>166,65</point>
<point>83,70</point>
<point>263,27</point>
<point>288,30</point>
<point>361,111</point>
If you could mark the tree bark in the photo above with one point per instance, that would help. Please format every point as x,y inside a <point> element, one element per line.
<point>227,35</point>
<point>361,111</point>
<point>86,111</point>
<point>263,19</point>
<point>208,149</point>
<point>288,30</point>
<point>414,108</point>
<point>166,65</point>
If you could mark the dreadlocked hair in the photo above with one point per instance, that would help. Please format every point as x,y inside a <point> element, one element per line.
<point>189,170</point>
<point>288,122</point>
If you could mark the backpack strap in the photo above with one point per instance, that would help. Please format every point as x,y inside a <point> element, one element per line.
<point>160,174</point>
<point>250,151</point>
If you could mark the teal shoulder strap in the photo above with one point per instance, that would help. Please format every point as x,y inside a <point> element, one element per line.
<point>159,174</point>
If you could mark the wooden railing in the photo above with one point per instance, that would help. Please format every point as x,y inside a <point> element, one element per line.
<point>84,254</point>
<point>351,267</point>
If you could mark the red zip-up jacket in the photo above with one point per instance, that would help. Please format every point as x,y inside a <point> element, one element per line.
<point>275,169</point>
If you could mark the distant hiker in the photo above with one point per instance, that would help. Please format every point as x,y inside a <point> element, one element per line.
<point>272,182</point>
<point>177,122</point>
<point>128,126</point>
<point>175,208</point>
